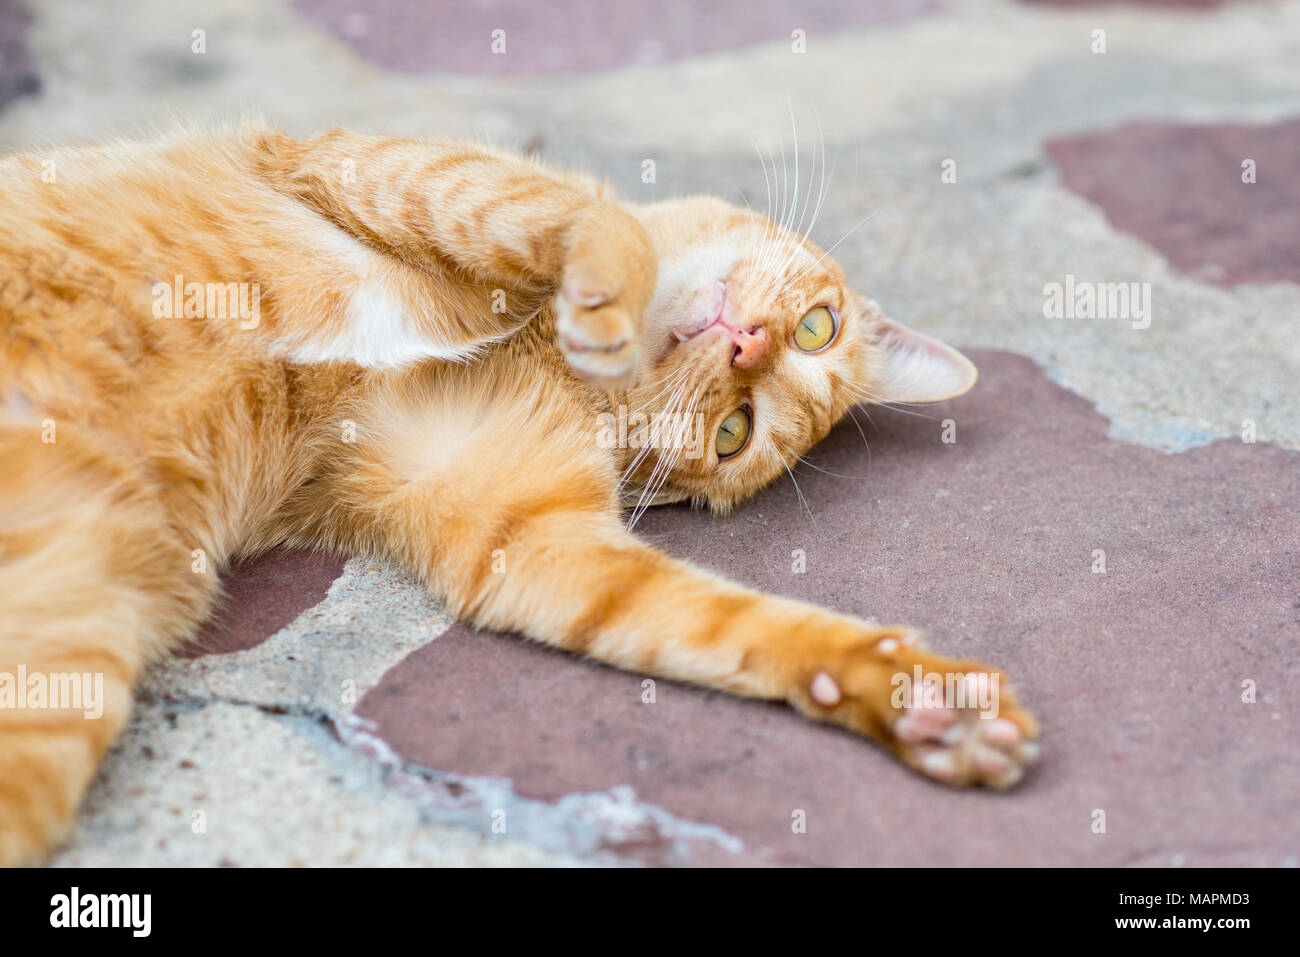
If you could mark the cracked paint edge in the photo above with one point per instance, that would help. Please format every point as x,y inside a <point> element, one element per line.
<point>603,826</point>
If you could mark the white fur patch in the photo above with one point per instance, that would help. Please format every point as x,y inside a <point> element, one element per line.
<point>378,332</point>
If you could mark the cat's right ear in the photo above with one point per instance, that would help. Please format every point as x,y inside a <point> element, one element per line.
<point>909,367</point>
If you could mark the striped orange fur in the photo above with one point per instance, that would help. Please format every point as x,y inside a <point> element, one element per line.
<point>214,342</point>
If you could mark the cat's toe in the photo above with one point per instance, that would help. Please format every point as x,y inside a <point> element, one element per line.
<point>967,745</point>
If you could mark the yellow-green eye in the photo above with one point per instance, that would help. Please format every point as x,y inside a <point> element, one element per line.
<point>815,330</point>
<point>733,433</point>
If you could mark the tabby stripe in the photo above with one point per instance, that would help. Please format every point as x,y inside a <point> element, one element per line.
<point>612,599</point>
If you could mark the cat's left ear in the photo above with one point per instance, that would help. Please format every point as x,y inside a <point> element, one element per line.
<point>910,367</point>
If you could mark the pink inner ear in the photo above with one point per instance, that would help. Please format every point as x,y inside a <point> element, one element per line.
<point>917,368</point>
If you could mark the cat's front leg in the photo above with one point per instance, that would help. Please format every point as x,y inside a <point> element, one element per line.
<point>543,551</point>
<point>504,224</point>
<point>597,591</point>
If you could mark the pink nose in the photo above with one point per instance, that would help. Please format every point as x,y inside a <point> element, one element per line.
<point>750,346</point>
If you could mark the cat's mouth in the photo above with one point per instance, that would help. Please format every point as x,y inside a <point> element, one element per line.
<point>703,318</point>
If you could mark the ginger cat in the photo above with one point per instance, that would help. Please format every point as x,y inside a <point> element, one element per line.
<point>412,350</point>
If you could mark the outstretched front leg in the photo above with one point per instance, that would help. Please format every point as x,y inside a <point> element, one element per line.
<point>543,552</point>
<point>498,221</point>
<point>580,582</point>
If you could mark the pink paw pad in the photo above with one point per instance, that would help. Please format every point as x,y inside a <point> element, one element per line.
<point>824,690</point>
<point>1000,731</point>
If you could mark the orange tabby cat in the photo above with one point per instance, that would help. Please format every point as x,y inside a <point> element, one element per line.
<point>215,342</point>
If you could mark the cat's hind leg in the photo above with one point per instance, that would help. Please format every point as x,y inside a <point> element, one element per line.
<point>93,584</point>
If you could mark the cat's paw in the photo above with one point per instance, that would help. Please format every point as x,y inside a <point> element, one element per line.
<point>597,332</point>
<point>964,744</point>
<point>607,283</point>
<point>956,722</point>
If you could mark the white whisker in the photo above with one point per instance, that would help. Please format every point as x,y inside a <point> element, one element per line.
<point>804,461</point>
<point>799,492</point>
<point>822,257</point>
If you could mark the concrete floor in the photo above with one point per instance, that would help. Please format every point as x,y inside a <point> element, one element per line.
<point>336,715</point>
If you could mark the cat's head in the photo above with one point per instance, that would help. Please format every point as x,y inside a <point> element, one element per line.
<point>756,345</point>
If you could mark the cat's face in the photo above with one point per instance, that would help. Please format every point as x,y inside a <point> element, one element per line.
<point>756,345</point>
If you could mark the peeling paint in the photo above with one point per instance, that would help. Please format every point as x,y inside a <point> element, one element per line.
<point>592,825</point>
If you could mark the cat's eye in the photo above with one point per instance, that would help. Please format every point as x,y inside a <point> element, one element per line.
<point>815,330</point>
<point>733,433</point>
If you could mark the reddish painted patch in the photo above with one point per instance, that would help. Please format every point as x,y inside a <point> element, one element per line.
<point>262,596</point>
<point>576,35</point>
<point>987,544</point>
<point>1180,188</point>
